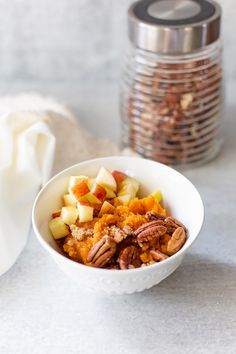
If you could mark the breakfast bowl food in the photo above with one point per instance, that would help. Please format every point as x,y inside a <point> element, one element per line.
<point>118,224</point>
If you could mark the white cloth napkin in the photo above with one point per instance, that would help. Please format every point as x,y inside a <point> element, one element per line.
<point>26,158</point>
<point>37,136</point>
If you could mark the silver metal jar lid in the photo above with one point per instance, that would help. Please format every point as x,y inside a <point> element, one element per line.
<point>174,26</point>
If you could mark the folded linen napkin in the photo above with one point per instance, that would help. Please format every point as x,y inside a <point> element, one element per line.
<point>27,151</point>
<point>39,137</point>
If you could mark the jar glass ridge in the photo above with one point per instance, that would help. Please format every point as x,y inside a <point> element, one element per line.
<point>171,104</point>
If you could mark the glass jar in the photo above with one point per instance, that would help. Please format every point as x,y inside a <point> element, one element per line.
<point>171,97</point>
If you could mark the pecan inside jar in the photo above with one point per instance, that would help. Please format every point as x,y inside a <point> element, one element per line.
<point>171,104</point>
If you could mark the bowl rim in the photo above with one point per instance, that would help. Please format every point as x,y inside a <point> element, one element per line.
<point>84,267</point>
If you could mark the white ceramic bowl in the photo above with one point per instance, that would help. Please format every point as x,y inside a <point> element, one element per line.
<point>180,196</point>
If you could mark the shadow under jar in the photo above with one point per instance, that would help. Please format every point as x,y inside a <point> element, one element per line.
<point>171,99</point>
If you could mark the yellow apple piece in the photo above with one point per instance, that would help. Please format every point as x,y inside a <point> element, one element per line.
<point>69,200</point>
<point>58,228</point>
<point>90,199</point>
<point>106,208</point>
<point>127,193</point>
<point>157,196</point>
<point>75,179</point>
<point>119,177</point>
<point>128,189</point>
<point>110,193</point>
<point>69,214</point>
<point>85,212</point>
<point>80,189</point>
<point>105,179</point>
<point>130,181</point>
<point>96,195</point>
<point>91,182</point>
<point>126,198</point>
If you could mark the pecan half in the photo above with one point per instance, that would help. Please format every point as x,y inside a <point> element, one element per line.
<point>150,231</point>
<point>151,215</point>
<point>148,225</point>
<point>158,256</point>
<point>129,258</point>
<point>101,253</point>
<point>177,241</point>
<point>174,223</point>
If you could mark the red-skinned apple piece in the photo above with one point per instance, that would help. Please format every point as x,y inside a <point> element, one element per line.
<point>56,214</point>
<point>80,189</point>
<point>119,176</point>
<point>86,203</point>
<point>99,192</point>
<point>75,179</point>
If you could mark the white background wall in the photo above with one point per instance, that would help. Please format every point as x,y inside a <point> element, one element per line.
<point>78,41</point>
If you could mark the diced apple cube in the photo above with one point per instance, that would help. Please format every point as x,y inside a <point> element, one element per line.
<point>90,199</point>
<point>127,189</point>
<point>127,193</point>
<point>106,208</point>
<point>130,181</point>
<point>91,182</point>
<point>58,228</point>
<point>119,177</point>
<point>157,196</point>
<point>69,214</point>
<point>105,178</point>
<point>75,179</point>
<point>99,192</point>
<point>85,212</point>
<point>126,198</point>
<point>110,193</point>
<point>80,189</point>
<point>69,200</point>
<point>96,195</point>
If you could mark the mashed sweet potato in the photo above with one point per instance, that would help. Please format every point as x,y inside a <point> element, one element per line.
<point>132,215</point>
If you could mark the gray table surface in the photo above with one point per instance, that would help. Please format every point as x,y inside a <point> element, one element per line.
<point>192,311</point>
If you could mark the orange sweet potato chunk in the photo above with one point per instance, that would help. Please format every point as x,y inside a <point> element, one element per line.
<point>77,250</point>
<point>141,206</point>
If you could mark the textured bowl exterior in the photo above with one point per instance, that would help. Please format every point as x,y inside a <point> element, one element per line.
<point>178,192</point>
<point>115,282</point>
